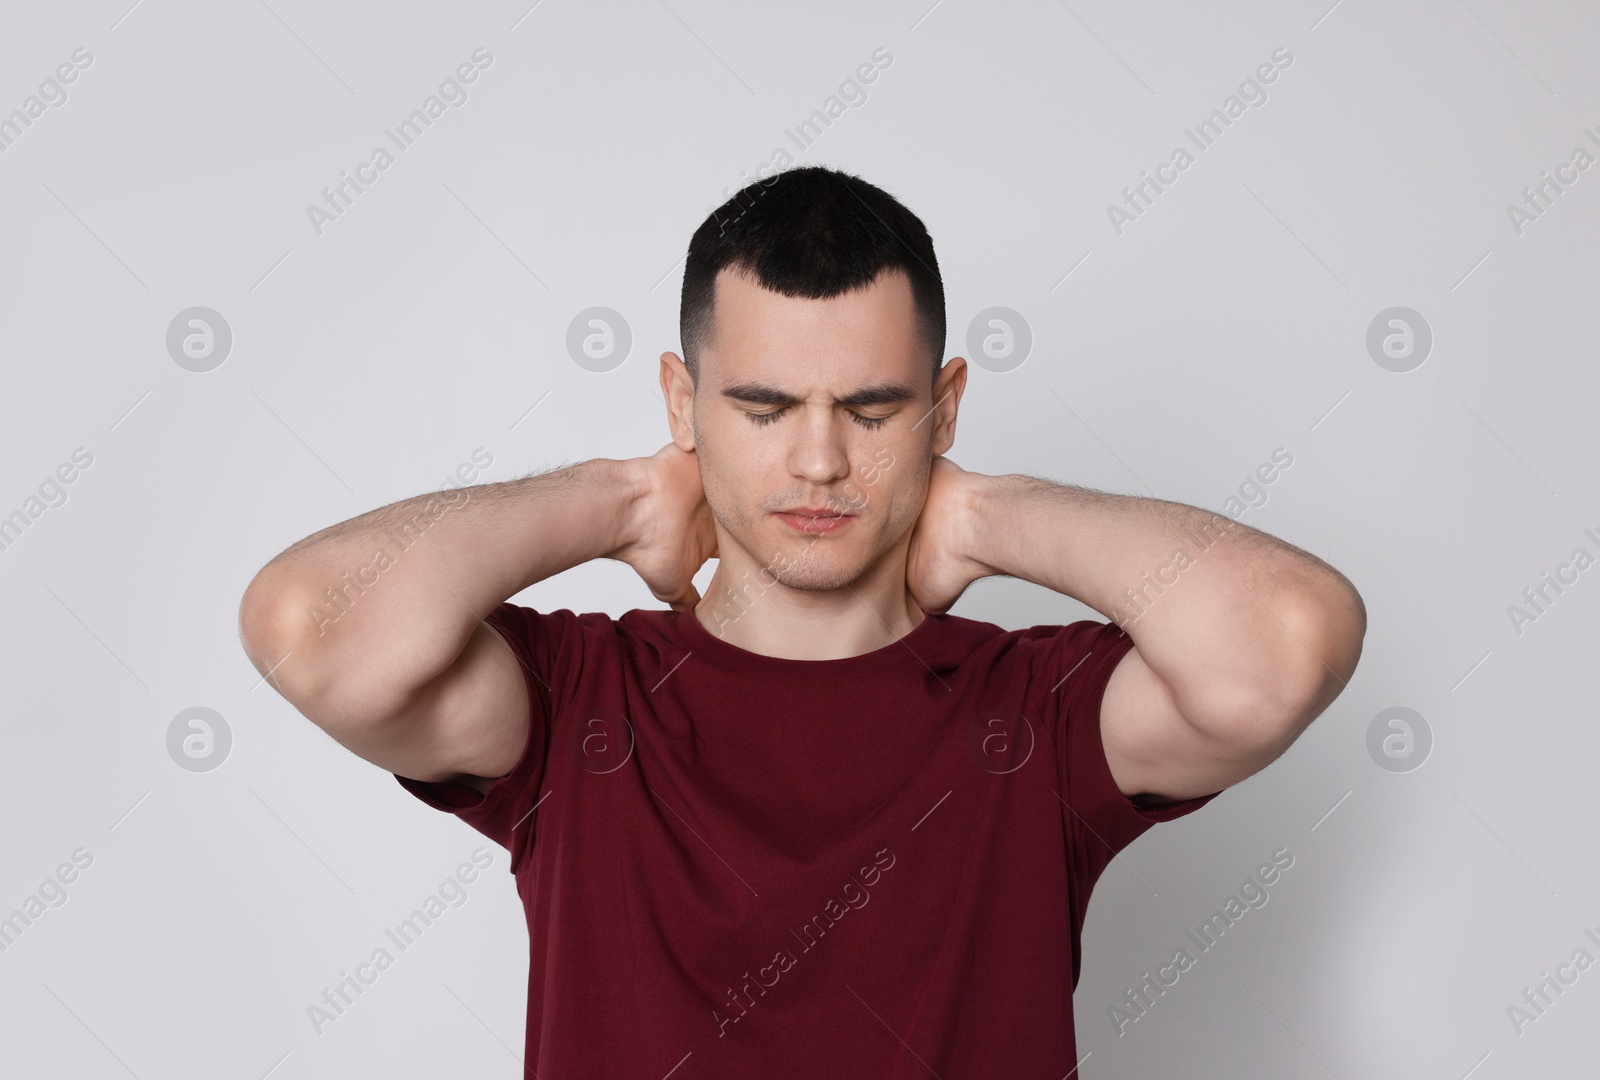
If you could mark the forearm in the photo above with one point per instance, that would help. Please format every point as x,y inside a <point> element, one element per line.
<point>389,599</point>
<point>1219,610</point>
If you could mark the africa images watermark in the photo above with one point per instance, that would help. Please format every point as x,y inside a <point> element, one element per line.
<point>1537,997</point>
<point>852,94</point>
<point>1140,997</point>
<point>853,894</point>
<point>404,534</point>
<point>52,94</point>
<point>1252,95</point>
<point>452,891</point>
<point>1252,495</point>
<point>1579,561</point>
<point>404,136</point>
<point>51,893</point>
<point>1540,197</point>
<point>52,493</point>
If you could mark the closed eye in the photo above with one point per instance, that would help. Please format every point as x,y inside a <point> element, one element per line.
<point>771,417</point>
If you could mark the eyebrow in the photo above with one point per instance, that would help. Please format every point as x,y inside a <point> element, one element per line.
<point>763,394</point>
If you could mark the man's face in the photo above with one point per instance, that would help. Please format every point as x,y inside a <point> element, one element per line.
<point>821,405</point>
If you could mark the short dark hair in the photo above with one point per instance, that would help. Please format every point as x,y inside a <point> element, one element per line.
<point>815,232</point>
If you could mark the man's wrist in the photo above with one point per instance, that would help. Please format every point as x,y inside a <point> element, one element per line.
<point>986,512</point>
<point>629,480</point>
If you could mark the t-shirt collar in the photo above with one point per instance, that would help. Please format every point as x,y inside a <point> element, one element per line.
<point>913,648</point>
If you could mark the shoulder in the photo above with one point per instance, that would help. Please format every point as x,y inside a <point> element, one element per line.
<point>549,639</point>
<point>974,637</point>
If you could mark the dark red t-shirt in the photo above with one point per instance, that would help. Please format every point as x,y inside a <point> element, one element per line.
<point>735,865</point>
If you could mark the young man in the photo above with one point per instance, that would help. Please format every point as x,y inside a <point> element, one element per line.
<point>810,824</point>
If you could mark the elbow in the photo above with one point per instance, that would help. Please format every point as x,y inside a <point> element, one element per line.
<point>286,636</point>
<point>261,625</point>
<point>1325,626</point>
<point>1315,644</point>
<point>1334,618</point>
<point>270,632</point>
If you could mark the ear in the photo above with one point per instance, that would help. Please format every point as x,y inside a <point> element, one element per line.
<point>678,391</point>
<point>947,390</point>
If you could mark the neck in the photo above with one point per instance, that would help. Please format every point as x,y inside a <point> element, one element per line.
<point>746,604</point>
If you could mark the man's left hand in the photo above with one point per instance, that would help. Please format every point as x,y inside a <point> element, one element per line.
<point>940,563</point>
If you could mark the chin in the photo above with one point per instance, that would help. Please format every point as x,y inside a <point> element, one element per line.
<point>817,581</point>
<point>819,571</point>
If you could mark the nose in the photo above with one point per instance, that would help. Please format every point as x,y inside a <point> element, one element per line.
<point>820,453</point>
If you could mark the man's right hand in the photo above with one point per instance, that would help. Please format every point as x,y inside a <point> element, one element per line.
<point>672,532</point>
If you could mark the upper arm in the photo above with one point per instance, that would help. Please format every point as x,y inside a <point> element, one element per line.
<point>468,725</point>
<point>1154,750</point>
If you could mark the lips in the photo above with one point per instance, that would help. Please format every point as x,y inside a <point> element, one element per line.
<point>813,511</point>
<point>814,521</point>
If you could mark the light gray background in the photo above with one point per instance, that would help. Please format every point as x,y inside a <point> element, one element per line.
<point>370,361</point>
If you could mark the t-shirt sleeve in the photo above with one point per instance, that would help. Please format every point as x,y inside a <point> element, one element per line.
<point>506,813</point>
<point>1076,664</point>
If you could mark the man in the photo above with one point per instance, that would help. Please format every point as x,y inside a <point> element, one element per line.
<point>809,824</point>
